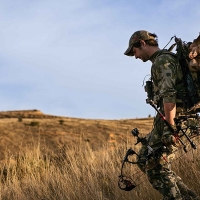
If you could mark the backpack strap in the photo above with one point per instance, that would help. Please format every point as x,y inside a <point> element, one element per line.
<point>172,47</point>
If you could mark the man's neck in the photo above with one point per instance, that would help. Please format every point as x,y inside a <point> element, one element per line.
<point>152,50</point>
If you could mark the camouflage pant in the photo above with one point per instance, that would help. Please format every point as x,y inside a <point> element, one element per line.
<point>169,184</point>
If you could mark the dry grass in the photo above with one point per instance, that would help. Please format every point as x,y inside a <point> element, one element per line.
<point>80,173</point>
<point>79,160</point>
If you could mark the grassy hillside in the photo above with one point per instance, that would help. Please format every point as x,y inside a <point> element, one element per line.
<point>49,157</point>
<point>23,128</point>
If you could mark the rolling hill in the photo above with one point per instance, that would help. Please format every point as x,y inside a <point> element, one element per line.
<point>23,129</point>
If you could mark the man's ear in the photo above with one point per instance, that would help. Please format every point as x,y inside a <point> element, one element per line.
<point>143,43</point>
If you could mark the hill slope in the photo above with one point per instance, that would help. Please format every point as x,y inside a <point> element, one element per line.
<point>19,129</point>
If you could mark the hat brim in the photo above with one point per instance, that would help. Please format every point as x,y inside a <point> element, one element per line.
<point>129,51</point>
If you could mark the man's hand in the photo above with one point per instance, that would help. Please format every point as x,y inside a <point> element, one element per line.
<point>168,140</point>
<point>168,137</point>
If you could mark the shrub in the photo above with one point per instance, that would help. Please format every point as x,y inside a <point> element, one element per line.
<point>61,121</point>
<point>19,119</point>
<point>33,123</point>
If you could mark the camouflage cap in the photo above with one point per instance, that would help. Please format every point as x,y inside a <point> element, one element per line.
<point>136,37</point>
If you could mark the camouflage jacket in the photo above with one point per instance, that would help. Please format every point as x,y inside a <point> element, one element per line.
<point>167,78</point>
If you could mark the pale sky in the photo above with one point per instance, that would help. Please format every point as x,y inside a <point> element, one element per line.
<point>66,57</point>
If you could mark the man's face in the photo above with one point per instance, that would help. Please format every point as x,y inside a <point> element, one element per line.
<point>140,53</point>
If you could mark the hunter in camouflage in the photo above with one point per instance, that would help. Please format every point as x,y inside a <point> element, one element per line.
<point>167,88</point>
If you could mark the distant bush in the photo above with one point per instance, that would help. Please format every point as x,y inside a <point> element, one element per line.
<point>33,123</point>
<point>19,119</point>
<point>61,121</point>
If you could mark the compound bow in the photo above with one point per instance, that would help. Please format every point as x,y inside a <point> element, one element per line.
<point>188,132</point>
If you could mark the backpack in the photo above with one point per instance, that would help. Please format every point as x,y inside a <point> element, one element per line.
<point>188,55</point>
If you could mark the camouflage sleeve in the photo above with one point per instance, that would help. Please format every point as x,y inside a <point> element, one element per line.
<point>164,78</point>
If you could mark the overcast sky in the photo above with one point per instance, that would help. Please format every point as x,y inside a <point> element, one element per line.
<point>66,57</point>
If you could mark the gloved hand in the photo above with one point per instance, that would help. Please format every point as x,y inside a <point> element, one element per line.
<point>168,137</point>
<point>168,140</point>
